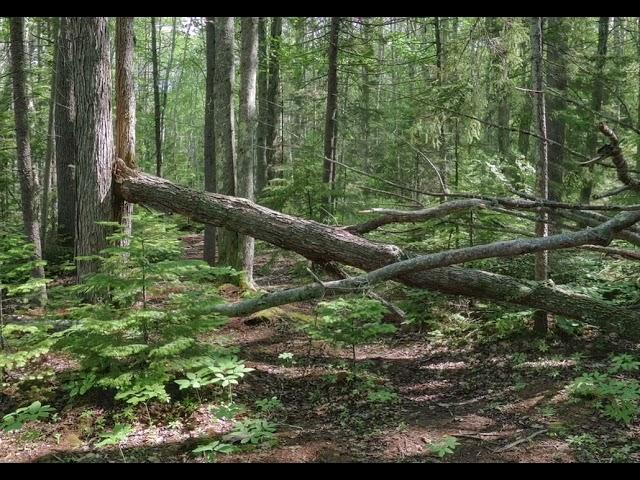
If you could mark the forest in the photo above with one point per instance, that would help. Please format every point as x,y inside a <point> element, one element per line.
<point>320,239</point>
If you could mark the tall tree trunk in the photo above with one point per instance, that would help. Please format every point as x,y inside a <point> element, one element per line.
<point>125,111</point>
<point>597,98</point>
<point>157,114</point>
<point>228,241</point>
<point>556,74</point>
<point>263,118</point>
<point>368,53</point>
<point>51,145</point>
<point>273,98</point>
<point>542,169</point>
<point>439,40</point>
<point>209,139</point>
<point>330,123</point>
<point>247,130</point>
<point>638,106</point>
<point>65,121</point>
<point>28,179</point>
<point>94,136</point>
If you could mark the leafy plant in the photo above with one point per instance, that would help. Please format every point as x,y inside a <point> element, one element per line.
<point>254,432</point>
<point>115,437</point>
<point>287,358</point>
<point>444,447</point>
<point>617,399</point>
<point>35,411</point>
<point>212,448</point>
<point>223,371</point>
<point>269,405</point>
<point>119,433</point>
<point>227,410</point>
<point>350,322</point>
<point>382,395</point>
<point>624,363</point>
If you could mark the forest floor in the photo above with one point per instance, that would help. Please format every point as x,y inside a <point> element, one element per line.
<point>503,401</point>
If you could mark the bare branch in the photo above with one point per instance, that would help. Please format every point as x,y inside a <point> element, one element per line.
<point>400,216</point>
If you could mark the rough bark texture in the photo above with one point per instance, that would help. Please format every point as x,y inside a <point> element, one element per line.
<point>26,174</point>
<point>622,169</point>
<point>209,139</point>
<point>330,119</point>
<point>602,235</point>
<point>125,110</point>
<point>94,136</point>
<point>65,121</point>
<point>322,243</point>
<point>542,167</point>
<point>228,241</point>
<point>247,130</point>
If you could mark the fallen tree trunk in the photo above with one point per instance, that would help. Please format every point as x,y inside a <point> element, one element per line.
<point>322,243</point>
<point>601,235</point>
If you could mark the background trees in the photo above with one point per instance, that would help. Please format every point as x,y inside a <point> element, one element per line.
<point>350,113</point>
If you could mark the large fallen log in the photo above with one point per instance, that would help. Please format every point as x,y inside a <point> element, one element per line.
<point>322,243</point>
<point>601,235</point>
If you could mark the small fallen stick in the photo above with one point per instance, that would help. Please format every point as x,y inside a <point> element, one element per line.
<point>518,442</point>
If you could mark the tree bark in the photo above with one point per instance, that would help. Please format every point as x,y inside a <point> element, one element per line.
<point>601,235</point>
<point>125,111</point>
<point>597,98</point>
<point>330,122</point>
<point>157,115</point>
<point>556,74</point>
<point>542,168</point>
<point>247,131</point>
<point>94,136</point>
<point>263,118</point>
<point>273,98</point>
<point>225,131</point>
<point>26,173</point>
<point>209,139</point>
<point>321,243</point>
<point>50,156</point>
<point>65,120</point>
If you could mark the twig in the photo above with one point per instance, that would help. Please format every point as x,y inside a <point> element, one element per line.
<point>457,404</point>
<point>518,442</point>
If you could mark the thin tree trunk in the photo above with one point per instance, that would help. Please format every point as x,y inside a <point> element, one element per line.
<point>440,76</point>
<point>157,109</point>
<point>597,98</point>
<point>263,118</point>
<point>125,112</point>
<point>556,74</point>
<point>330,123</point>
<point>65,120</point>
<point>273,98</point>
<point>94,137</point>
<point>542,169</point>
<point>228,241</point>
<point>638,107</point>
<point>247,130</point>
<point>28,179</point>
<point>209,139</point>
<point>51,145</point>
